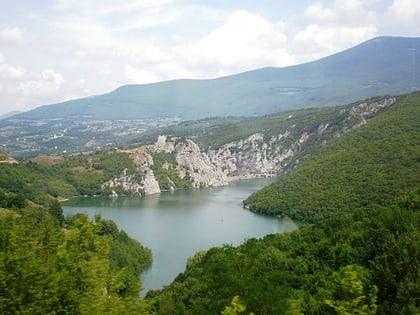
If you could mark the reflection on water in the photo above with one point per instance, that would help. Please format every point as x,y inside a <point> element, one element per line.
<point>175,225</point>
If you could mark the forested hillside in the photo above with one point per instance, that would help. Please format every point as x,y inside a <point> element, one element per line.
<point>360,257</point>
<point>43,177</point>
<point>368,167</point>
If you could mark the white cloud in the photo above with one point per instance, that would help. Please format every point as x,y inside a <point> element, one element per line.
<point>10,72</point>
<point>405,13</point>
<point>316,41</point>
<point>46,83</point>
<point>245,41</point>
<point>114,15</point>
<point>13,35</point>
<point>137,74</point>
<point>334,28</point>
<point>409,9</point>
<point>342,13</point>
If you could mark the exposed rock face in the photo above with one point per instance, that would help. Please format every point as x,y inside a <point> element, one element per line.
<point>258,155</point>
<point>149,184</point>
<point>198,165</point>
<point>365,109</point>
<point>190,161</point>
<point>253,157</point>
<point>129,183</point>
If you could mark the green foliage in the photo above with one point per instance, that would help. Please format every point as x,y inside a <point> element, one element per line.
<point>351,295</point>
<point>214,132</point>
<point>45,269</point>
<point>28,247</point>
<point>362,169</point>
<point>43,177</point>
<point>236,307</point>
<point>12,200</point>
<point>56,212</point>
<point>125,254</point>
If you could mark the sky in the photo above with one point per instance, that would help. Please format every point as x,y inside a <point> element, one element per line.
<point>56,50</point>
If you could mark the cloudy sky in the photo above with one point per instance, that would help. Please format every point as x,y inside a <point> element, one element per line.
<point>54,50</point>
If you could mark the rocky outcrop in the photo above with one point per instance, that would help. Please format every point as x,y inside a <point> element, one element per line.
<point>197,165</point>
<point>126,182</point>
<point>261,154</point>
<point>189,162</point>
<point>254,157</point>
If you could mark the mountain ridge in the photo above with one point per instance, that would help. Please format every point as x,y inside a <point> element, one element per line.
<point>382,65</point>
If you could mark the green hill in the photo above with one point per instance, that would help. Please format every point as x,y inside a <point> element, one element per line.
<point>368,167</point>
<point>360,257</point>
<point>384,65</point>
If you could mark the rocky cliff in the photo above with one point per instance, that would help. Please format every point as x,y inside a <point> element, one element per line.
<point>181,161</point>
<point>173,162</point>
<point>265,155</point>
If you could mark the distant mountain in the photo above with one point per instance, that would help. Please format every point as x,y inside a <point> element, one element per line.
<point>10,114</point>
<point>381,66</point>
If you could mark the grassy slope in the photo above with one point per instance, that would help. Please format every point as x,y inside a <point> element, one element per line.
<point>369,166</point>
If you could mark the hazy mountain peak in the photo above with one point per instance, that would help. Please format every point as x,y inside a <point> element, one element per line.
<point>383,65</point>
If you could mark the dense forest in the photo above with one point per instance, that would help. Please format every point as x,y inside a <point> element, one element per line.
<point>357,251</point>
<point>369,167</point>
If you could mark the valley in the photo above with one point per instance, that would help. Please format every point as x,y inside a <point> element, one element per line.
<point>351,171</point>
<point>341,160</point>
<point>24,138</point>
<point>205,153</point>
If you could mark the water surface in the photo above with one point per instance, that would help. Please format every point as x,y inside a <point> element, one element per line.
<point>175,225</point>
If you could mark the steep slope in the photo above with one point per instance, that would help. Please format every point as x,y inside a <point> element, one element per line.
<point>384,65</point>
<point>369,166</point>
<point>361,255</point>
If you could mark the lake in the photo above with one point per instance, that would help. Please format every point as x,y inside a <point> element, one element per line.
<point>175,225</point>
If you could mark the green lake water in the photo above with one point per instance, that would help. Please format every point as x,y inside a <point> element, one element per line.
<point>175,225</point>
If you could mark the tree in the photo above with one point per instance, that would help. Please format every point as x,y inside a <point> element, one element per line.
<point>236,307</point>
<point>56,211</point>
<point>28,278</point>
<point>353,295</point>
<point>88,284</point>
